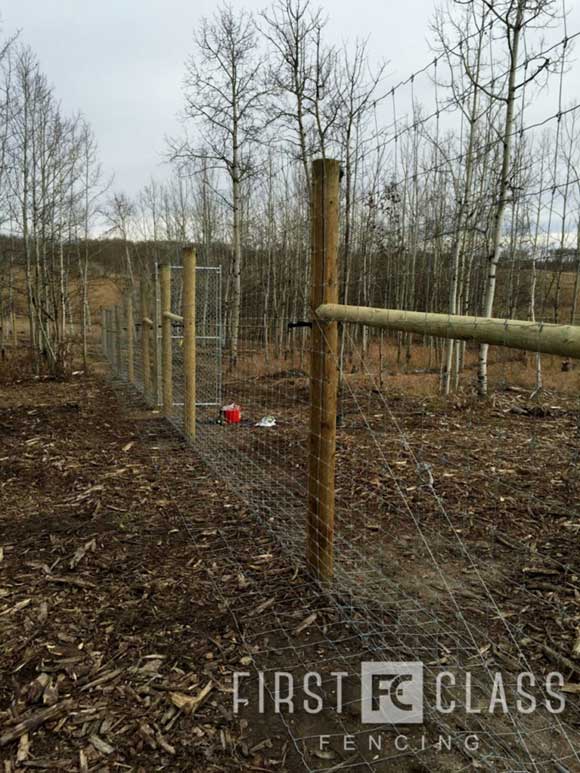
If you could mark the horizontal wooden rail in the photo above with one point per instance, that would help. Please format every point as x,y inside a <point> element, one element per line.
<point>148,322</point>
<point>173,317</point>
<point>515,334</point>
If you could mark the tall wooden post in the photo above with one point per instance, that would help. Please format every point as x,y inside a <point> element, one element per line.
<point>107,335</point>
<point>145,339</point>
<point>156,317</point>
<point>166,342</point>
<point>118,334</point>
<point>323,368</point>
<point>189,353</point>
<point>104,331</point>
<point>110,337</point>
<point>130,339</point>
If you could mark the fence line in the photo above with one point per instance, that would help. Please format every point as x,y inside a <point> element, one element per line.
<point>291,480</point>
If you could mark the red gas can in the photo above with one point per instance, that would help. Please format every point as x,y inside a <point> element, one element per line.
<point>232,414</point>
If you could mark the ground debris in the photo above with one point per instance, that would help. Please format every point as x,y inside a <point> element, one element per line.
<point>105,624</point>
<point>35,721</point>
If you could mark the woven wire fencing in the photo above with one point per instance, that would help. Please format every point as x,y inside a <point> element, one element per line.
<point>209,340</point>
<point>455,521</point>
<point>419,574</point>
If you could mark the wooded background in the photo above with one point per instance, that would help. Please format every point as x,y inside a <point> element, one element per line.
<point>460,188</point>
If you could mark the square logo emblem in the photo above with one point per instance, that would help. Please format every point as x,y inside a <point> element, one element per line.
<point>392,693</point>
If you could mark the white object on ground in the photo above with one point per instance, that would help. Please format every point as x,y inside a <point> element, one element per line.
<point>267,421</point>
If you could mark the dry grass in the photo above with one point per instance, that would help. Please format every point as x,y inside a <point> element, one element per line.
<point>389,368</point>
<point>421,375</point>
<point>15,365</point>
<point>506,368</point>
<point>103,292</point>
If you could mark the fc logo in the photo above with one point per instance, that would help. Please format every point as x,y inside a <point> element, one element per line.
<point>392,693</point>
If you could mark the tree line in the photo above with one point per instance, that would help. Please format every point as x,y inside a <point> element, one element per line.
<point>453,198</point>
<point>50,179</point>
<point>451,206</point>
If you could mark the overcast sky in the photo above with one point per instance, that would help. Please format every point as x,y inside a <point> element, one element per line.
<point>121,62</point>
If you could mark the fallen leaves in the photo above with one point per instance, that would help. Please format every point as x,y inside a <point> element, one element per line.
<point>137,585</point>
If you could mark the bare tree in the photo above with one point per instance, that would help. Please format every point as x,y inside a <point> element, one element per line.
<point>471,53</point>
<point>46,160</point>
<point>91,191</point>
<point>225,93</point>
<point>511,19</point>
<point>120,211</point>
<point>358,96</point>
<point>292,27</point>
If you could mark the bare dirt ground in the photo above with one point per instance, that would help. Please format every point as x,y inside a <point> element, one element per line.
<point>133,584</point>
<point>489,491</point>
<point>468,510</point>
<point>110,630</point>
<point>122,612</point>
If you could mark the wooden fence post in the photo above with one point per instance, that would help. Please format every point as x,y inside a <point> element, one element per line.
<point>323,368</point>
<point>156,317</point>
<point>189,352</point>
<point>110,337</point>
<point>104,331</point>
<point>130,339</point>
<point>118,359</point>
<point>145,339</point>
<point>107,335</point>
<point>166,343</point>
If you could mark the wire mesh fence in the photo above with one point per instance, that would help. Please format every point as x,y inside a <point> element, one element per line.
<point>209,338</point>
<point>453,522</point>
<point>419,528</point>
